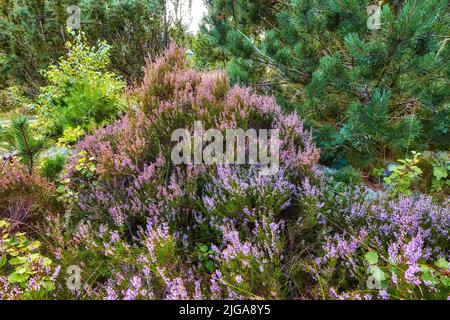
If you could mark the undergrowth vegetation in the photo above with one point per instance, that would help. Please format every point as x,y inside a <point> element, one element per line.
<point>93,207</point>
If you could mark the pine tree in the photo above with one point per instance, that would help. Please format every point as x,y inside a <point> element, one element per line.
<point>33,33</point>
<point>369,87</point>
<point>26,146</point>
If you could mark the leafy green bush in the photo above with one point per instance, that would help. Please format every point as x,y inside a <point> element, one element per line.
<point>70,136</point>
<point>377,174</point>
<point>436,172</point>
<point>24,272</point>
<point>81,91</point>
<point>427,173</point>
<point>404,175</point>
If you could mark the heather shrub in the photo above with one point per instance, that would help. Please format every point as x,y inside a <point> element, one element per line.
<point>152,230</point>
<point>246,209</point>
<point>165,257</point>
<point>152,266</point>
<point>25,198</point>
<point>377,247</point>
<point>122,177</point>
<point>130,157</point>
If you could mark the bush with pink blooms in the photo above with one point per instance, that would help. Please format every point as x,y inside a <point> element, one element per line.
<point>25,198</point>
<point>376,246</point>
<point>123,178</point>
<point>140,227</point>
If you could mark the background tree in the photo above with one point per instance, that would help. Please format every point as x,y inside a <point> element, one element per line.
<point>369,92</point>
<point>33,33</point>
<point>81,93</point>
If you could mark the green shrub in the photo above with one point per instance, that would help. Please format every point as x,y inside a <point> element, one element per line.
<point>404,175</point>
<point>51,167</point>
<point>25,142</point>
<point>81,92</point>
<point>29,274</point>
<point>12,98</point>
<point>70,136</point>
<point>348,175</point>
<point>376,174</point>
<point>436,168</point>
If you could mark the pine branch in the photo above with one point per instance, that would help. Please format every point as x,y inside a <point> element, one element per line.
<point>27,147</point>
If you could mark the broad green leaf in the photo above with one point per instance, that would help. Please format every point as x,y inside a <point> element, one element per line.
<point>17,261</point>
<point>377,273</point>
<point>17,278</point>
<point>427,274</point>
<point>371,257</point>
<point>34,256</point>
<point>445,281</point>
<point>46,262</point>
<point>49,286</point>
<point>440,172</point>
<point>209,265</point>
<point>442,263</point>
<point>22,269</point>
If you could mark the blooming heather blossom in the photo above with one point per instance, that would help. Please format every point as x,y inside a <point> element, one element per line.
<point>117,215</point>
<point>154,219</point>
<point>133,184</point>
<point>198,290</point>
<point>7,291</point>
<point>383,294</point>
<point>403,231</point>
<point>176,290</point>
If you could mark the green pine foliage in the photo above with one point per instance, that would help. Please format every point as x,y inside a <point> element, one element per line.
<point>33,34</point>
<point>368,93</point>
<point>348,175</point>
<point>51,167</point>
<point>25,144</point>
